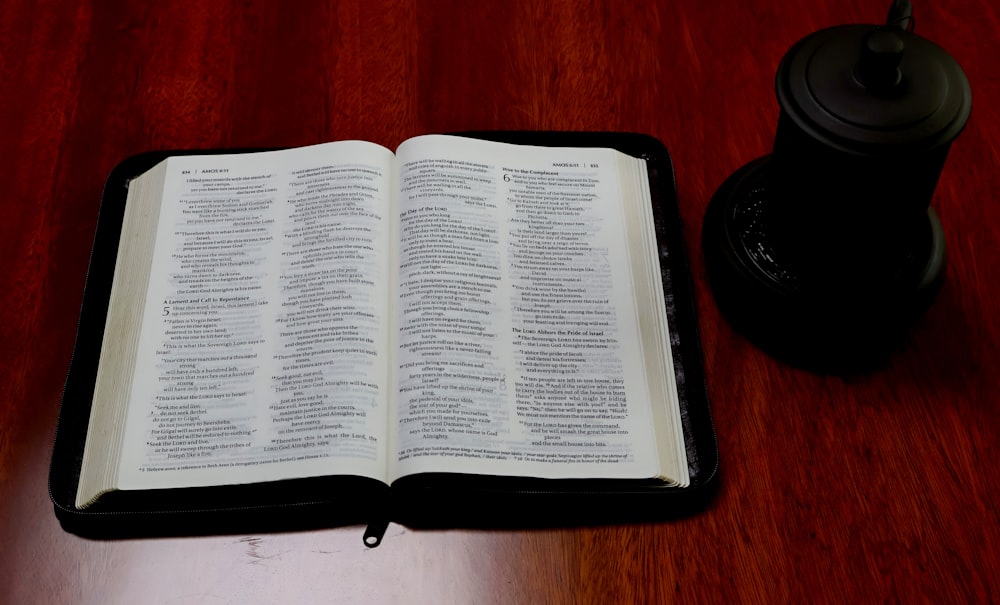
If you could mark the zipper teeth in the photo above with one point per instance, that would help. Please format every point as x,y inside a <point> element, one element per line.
<point>655,491</point>
<point>692,307</point>
<point>697,344</point>
<point>697,335</point>
<point>186,511</point>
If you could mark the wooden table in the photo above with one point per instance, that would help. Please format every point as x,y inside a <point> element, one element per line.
<point>879,488</point>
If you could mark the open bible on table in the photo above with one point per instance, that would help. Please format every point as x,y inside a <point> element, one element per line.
<point>342,334</point>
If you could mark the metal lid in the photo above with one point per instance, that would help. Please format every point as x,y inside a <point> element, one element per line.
<point>873,89</point>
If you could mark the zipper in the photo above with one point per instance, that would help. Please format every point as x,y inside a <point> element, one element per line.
<point>693,307</point>
<point>696,348</point>
<point>700,354</point>
<point>375,531</point>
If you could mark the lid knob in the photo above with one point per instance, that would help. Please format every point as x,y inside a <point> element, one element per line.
<point>878,69</point>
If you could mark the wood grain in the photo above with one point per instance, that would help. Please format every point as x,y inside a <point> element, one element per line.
<point>874,489</point>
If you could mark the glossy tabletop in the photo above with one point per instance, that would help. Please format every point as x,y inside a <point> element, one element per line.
<point>879,488</point>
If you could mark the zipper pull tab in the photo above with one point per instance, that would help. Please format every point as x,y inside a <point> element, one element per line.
<point>375,531</point>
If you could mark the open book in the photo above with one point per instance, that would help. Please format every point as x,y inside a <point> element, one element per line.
<point>339,333</point>
<point>459,306</point>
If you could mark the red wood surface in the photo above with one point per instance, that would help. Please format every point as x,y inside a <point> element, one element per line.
<point>874,489</point>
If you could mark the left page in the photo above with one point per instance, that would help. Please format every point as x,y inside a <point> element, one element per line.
<point>261,352</point>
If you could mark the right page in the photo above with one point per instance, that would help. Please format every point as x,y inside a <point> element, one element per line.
<point>531,337</point>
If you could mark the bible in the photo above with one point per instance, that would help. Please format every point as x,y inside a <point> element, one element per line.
<point>460,314</point>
